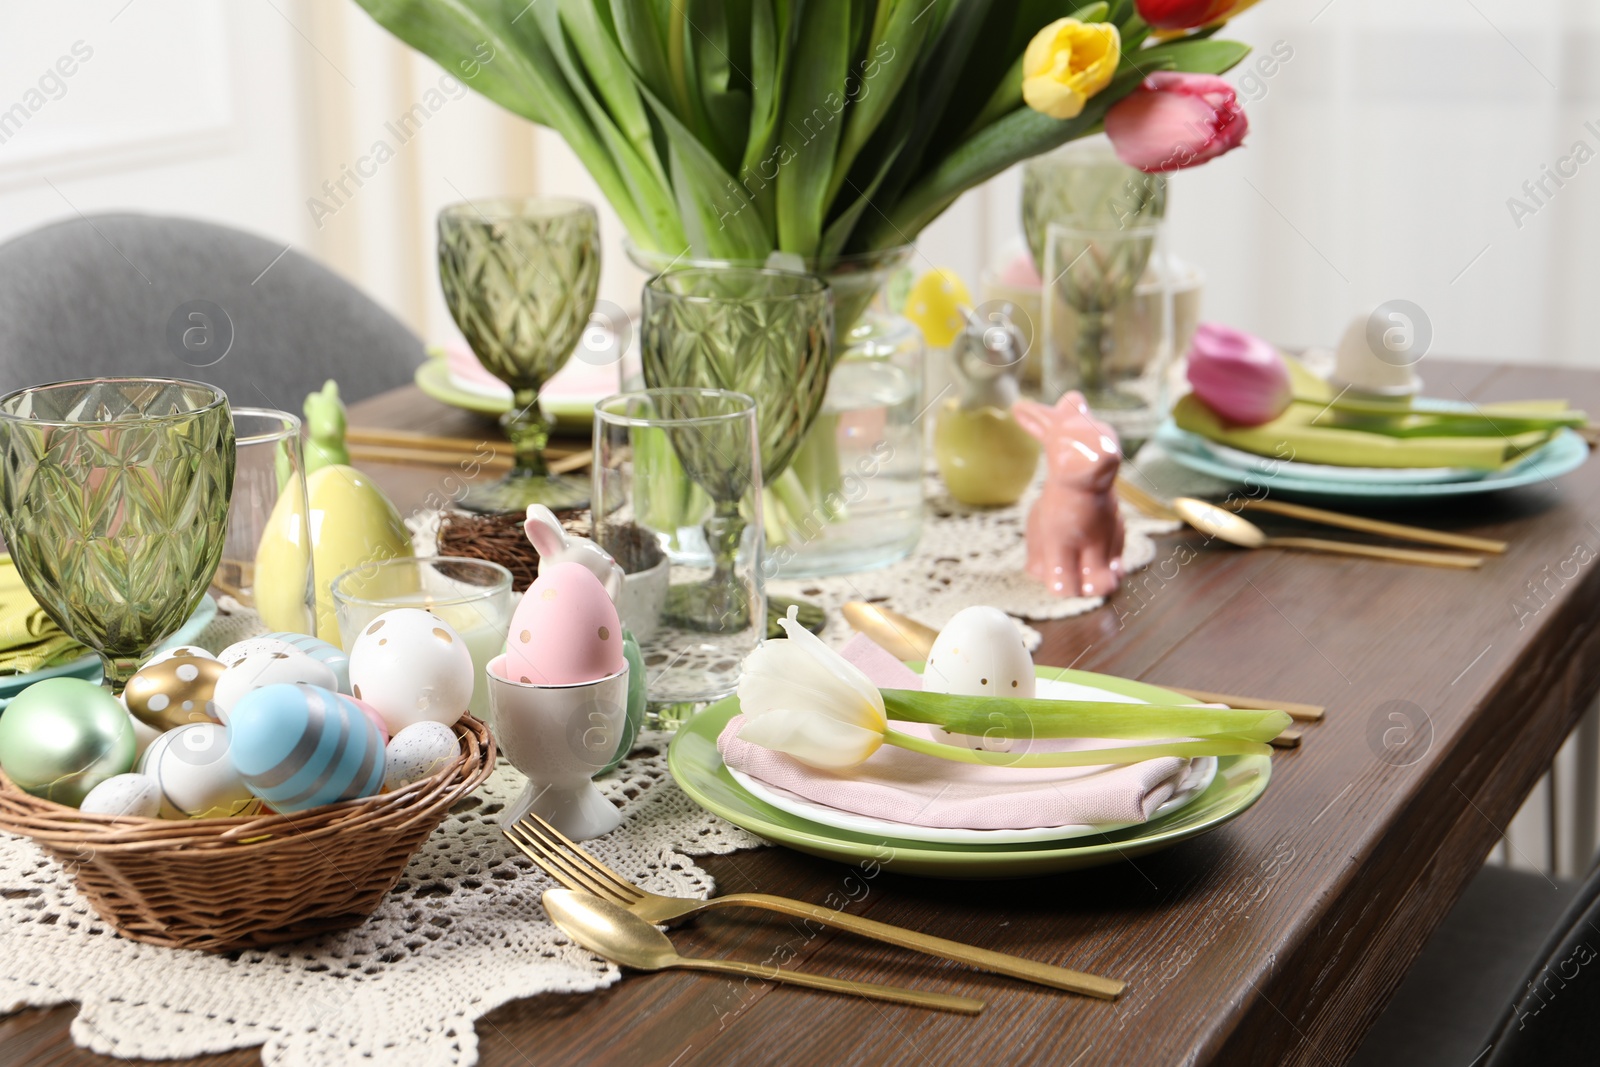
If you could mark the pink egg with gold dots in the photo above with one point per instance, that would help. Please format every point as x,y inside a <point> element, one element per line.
<point>565,631</point>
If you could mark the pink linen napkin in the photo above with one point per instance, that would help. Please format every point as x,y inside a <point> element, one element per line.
<point>908,787</point>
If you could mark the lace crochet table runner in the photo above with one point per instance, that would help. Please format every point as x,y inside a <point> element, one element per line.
<point>463,932</point>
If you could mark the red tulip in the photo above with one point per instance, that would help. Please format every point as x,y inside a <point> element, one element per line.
<point>1176,120</point>
<point>1187,14</point>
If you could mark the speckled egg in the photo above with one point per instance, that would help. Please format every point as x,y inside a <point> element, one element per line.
<point>980,653</point>
<point>413,667</point>
<point>124,794</point>
<point>250,646</point>
<point>194,774</point>
<point>331,656</point>
<point>263,668</point>
<point>419,751</point>
<point>301,746</point>
<point>565,631</point>
<point>186,651</point>
<point>170,692</point>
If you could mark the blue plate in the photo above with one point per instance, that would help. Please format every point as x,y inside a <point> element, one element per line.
<point>88,667</point>
<point>1565,452</point>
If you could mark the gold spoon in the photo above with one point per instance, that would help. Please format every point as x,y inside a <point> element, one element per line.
<point>619,935</point>
<point>1224,525</point>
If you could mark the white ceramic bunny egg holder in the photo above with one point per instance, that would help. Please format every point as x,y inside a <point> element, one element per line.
<point>561,736</point>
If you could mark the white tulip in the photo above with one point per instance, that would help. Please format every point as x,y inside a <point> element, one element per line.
<point>802,698</point>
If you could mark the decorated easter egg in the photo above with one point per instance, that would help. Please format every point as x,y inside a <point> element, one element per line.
<point>565,631</point>
<point>61,737</point>
<point>171,692</point>
<point>373,715</point>
<point>186,651</point>
<point>300,746</point>
<point>979,653</point>
<point>124,794</point>
<point>413,667</point>
<point>251,645</point>
<point>636,699</point>
<point>260,669</point>
<point>419,751</point>
<point>331,656</point>
<point>194,775</point>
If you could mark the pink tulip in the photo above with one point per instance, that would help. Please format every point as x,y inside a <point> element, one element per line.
<point>1237,375</point>
<point>1187,14</point>
<point>1176,120</point>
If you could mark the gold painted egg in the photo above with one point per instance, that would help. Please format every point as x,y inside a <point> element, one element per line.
<point>174,691</point>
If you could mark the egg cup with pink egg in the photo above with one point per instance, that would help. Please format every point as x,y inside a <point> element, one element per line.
<point>559,698</point>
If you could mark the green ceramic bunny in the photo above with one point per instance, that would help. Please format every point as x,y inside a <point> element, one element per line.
<point>325,426</point>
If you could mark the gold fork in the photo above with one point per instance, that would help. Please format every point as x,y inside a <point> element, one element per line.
<point>577,869</point>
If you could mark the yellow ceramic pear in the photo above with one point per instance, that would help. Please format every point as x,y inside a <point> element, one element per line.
<point>351,523</point>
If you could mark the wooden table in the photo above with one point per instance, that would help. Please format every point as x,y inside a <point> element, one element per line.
<point>1274,940</point>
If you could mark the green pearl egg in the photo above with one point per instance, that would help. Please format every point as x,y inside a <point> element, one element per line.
<point>62,737</point>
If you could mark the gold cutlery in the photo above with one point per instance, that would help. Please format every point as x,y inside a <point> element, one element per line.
<point>399,446</point>
<point>576,869</point>
<point>906,639</point>
<point>622,937</point>
<point>1224,525</point>
<point>1157,508</point>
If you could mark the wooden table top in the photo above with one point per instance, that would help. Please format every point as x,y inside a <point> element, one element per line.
<point>1276,939</point>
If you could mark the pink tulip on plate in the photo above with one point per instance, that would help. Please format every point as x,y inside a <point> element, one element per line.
<point>1238,375</point>
<point>1175,120</point>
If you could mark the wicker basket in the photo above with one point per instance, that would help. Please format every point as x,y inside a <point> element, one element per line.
<point>221,884</point>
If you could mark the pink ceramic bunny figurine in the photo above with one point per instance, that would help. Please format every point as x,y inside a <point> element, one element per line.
<point>1074,529</point>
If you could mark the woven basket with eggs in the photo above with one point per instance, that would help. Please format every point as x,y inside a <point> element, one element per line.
<point>256,879</point>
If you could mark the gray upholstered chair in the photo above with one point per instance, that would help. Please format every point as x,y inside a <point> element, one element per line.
<point>146,295</point>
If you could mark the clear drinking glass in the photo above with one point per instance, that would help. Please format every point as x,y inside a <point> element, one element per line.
<point>520,278</point>
<point>472,595</point>
<point>266,555</point>
<point>682,466</point>
<point>1108,325</point>
<point>114,504</point>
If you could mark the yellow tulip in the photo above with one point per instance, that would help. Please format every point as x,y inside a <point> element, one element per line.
<point>1066,63</point>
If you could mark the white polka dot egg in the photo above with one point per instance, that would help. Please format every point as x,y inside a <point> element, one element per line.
<point>419,751</point>
<point>413,667</point>
<point>250,646</point>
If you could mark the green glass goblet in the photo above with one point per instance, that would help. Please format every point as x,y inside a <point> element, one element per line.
<point>114,504</point>
<point>765,333</point>
<point>520,279</point>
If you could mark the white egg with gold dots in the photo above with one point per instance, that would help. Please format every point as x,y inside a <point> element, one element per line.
<point>413,667</point>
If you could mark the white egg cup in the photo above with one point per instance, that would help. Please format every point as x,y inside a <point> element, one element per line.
<point>560,736</point>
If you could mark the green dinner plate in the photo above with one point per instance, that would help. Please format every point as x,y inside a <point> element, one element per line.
<point>1565,452</point>
<point>433,378</point>
<point>698,769</point>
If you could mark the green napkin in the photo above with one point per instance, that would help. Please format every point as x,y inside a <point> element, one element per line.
<point>1294,435</point>
<point>29,639</point>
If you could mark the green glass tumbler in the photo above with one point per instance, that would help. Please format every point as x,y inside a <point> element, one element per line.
<point>114,505</point>
<point>520,279</point>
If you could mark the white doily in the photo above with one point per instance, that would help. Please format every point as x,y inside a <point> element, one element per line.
<point>460,935</point>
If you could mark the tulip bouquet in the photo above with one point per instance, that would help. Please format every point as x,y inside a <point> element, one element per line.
<point>730,129</point>
<point>800,697</point>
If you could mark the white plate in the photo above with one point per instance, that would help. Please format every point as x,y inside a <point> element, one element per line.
<point>1195,781</point>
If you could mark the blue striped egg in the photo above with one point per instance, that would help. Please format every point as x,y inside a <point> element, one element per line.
<point>330,656</point>
<point>298,746</point>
